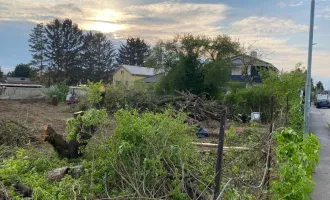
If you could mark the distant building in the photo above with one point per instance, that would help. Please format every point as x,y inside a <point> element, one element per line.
<point>17,80</point>
<point>247,67</point>
<point>127,74</point>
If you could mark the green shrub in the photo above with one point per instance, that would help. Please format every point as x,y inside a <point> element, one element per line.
<point>59,90</point>
<point>296,158</point>
<point>140,96</point>
<point>149,147</point>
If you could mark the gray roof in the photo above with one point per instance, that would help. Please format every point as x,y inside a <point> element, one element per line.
<point>17,80</point>
<point>137,70</point>
<point>249,60</point>
<point>153,79</point>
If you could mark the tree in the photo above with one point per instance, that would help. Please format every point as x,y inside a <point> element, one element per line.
<point>22,70</point>
<point>99,56</point>
<point>134,52</point>
<point>64,43</point>
<point>37,47</point>
<point>194,63</point>
<point>1,73</point>
<point>319,87</point>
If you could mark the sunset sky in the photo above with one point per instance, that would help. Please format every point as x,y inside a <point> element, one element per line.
<point>278,28</point>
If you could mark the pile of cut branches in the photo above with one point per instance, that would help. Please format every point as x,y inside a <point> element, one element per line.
<point>13,134</point>
<point>199,107</point>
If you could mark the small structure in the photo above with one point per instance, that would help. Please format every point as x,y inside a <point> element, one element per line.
<point>127,74</point>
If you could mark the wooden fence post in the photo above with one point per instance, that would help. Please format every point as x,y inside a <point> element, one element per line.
<point>217,179</point>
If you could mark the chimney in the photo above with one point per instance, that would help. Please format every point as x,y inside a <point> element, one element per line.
<point>254,54</point>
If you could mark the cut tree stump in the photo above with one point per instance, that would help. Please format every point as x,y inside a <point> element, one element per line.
<point>63,149</point>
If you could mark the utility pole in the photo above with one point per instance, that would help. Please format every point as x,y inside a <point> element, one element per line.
<point>308,78</point>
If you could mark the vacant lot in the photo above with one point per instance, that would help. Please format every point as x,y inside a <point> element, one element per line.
<point>35,114</point>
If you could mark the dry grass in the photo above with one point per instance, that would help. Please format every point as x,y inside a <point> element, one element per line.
<point>35,114</point>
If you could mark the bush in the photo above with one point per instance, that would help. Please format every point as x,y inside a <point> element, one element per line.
<point>59,90</point>
<point>149,147</point>
<point>247,100</point>
<point>296,158</point>
<point>141,96</point>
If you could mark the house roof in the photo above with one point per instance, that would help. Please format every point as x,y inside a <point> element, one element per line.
<point>17,80</point>
<point>251,61</point>
<point>153,79</point>
<point>137,70</point>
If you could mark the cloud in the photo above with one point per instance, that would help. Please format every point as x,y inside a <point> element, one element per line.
<point>291,3</point>
<point>267,26</point>
<point>151,21</point>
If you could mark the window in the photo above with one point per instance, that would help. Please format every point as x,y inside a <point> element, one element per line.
<point>236,71</point>
<point>117,82</point>
<point>122,72</point>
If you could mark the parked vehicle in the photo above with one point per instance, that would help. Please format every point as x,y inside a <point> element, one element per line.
<point>322,103</point>
<point>72,96</point>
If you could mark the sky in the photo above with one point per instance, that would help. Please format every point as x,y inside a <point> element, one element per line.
<point>277,29</point>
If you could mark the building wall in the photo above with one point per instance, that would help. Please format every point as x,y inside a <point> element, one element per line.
<point>125,78</point>
<point>21,93</point>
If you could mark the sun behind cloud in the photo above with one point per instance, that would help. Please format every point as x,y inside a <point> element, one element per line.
<point>106,21</point>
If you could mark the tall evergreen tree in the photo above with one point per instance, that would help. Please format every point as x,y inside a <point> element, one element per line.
<point>134,52</point>
<point>64,43</point>
<point>99,56</point>
<point>1,73</point>
<point>37,47</point>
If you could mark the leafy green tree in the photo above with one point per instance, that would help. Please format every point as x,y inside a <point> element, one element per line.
<point>22,70</point>
<point>37,47</point>
<point>99,56</point>
<point>134,52</point>
<point>194,63</point>
<point>64,44</point>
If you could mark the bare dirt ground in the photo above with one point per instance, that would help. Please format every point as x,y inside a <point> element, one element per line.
<point>35,114</point>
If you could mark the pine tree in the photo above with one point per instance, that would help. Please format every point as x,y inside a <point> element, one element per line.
<point>64,44</point>
<point>1,73</point>
<point>99,56</point>
<point>134,52</point>
<point>37,47</point>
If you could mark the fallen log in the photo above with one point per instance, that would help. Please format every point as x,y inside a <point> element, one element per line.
<point>212,145</point>
<point>22,189</point>
<point>63,149</point>
<point>59,173</point>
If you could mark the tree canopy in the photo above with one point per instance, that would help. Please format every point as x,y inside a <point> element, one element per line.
<point>21,70</point>
<point>319,86</point>
<point>64,43</point>
<point>194,63</point>
<point>98,55</point>
<point>134,52</point>
<point>1,73</point>
<point>37,47</point>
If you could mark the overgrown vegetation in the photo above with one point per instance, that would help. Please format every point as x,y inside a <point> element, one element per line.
<point>59,90</point>
<point>296,158</point>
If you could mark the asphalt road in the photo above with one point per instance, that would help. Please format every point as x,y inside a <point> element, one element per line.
<point>319,125</point>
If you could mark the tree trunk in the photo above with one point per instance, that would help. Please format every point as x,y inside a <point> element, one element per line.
<point>64,149</point>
